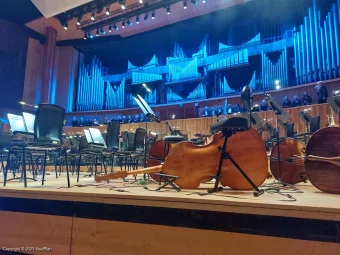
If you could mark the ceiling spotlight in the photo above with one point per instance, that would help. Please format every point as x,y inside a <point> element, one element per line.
<point>92,16</point>
<point>123,24</point>
<point>168,10</point>
<point>85,36</point>
<point>102,31</point>
<point>115,27</point>
<point>153,15</point>
<point>140,1</point>
<point>146,16</point>
<point>78,20</point>
<point>107,10</point>
<point>194,1</point>
<point>203,1</point>
<point>97,33</point>
<point>129,22</point>
<point>122,4</point>
<point>65,25</point>
<point>110,30</point>
<point>137,20</point>
<point>185,4</point>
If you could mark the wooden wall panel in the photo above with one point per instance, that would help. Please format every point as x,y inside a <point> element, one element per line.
<point>109,238</point>
<point>35,230</point>
<point>202,125</point>
<point>33,75</point>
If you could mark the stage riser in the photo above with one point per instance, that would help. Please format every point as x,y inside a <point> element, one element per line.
<point>102,237</point>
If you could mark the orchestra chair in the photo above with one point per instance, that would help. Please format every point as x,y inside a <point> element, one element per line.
<point>94,152</point>
<point>5,143</point>
<point>124,143</point>
<point>314,126</point>
<point>290,129</point>
<point>48,129</point>
<point>135,152</point>
<point>112,142</point>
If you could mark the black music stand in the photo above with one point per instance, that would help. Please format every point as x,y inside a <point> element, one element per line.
<point>334,103</point>
<point>306,119</point>
<point>282,118</point>
<point>150,115</point>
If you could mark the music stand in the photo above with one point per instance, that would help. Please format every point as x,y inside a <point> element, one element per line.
<point>29,119</point>
<point>149,114</point>
<point>306,119</point>
<point>334,103</point>
<point>282,118</point>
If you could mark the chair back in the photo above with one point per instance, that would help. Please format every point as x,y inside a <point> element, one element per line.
<point>290,130</point>
<point>48,124</point>
<point>139,139</point>
<point>315,124</point>
<point>97,137</point>
<point>124,144</point>
<point>131,141</point>
<point>112,136</point>
<point>83,144</point>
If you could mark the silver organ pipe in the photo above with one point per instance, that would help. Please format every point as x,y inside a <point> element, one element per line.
<point>317,40</point>
<point>312,43</point>
<point>307,52</point>
<point>331,42</point>
<point>336,35</point>
<point>328,63</point>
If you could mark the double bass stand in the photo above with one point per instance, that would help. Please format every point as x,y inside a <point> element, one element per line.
<point>228,132</point>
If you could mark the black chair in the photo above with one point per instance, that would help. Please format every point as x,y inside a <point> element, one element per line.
<point>112,136</point>
<point>290,129</point>
<point>48,128</point>
<point>314,126</point>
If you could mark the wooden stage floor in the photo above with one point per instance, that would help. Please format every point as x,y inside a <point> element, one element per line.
<point>126,218</point>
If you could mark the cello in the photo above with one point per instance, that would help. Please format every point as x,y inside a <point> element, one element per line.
<point>322,160</point>
<point>290,167</point>
<point>196,164</point>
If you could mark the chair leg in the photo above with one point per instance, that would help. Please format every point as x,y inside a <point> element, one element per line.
<point>67,172</point>
<point>55,165</point>
<point>7,165</point>
<point>78,170</point>
<point>44,169</point>
<point>24,166</point>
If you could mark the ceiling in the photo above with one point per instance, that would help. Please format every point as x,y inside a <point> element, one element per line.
<point>51,8</point>
<point>162,19</point>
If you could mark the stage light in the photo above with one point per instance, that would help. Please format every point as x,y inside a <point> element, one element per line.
<point>78,20</point>
<point>92,16</point>
<point>123,24</point>
<point>144,85</point>
<point>168,10</point>
<point>35,106</point>
<point>140,1</point>
<point>102,31</point>
<point>107,10</point>
<point>185,5</point>
<point>146,16</point>
<point>173,116</point>
<point>110,29</point>
<point>122,4</point>
<point>97,33</point>
<point>65,25</point>
<point>137,20</point>
<point>90,35</point>
<point>22,102</point>
<point>148,90</point>
<point>277,83</point>
<point>194,2</point>
<point>153,15</point>
<point>115,27</point>
<point>203,1</point>
<point>85,36</point>
<point>129,22</point>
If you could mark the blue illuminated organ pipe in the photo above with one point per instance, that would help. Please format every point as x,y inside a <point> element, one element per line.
<point>172,96</point>
<point>198,92</point>
<point>274,71</point>
<point>150,98</point>
<point>90,86</point>
<point>115,98</point>
<point>177,73</point>
<point>316,46</point>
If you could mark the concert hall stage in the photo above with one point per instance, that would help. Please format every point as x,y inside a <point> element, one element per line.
<point>126,218</point>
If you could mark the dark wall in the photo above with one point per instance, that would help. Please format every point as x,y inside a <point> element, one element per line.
<point>13,53</point>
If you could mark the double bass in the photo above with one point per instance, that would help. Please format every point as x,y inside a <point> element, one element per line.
<point>322,160</point>
<point>197,164</point>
